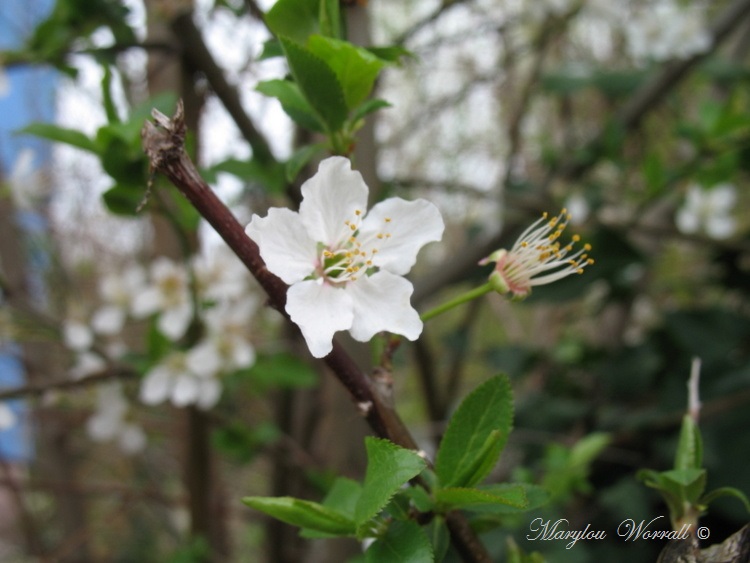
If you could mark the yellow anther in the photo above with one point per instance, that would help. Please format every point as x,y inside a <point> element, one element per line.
<point>387,219</point>
<point>380,235</point>
<point>587,247</point>
<point>357,212</point>
<point>576,238</point>
<point>353,227</point>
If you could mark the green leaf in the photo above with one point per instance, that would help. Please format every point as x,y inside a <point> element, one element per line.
<point>268,175</point>
<point>280,370</point>
<point>369,106</point>
<point>299,159</point>
<point>468,450</point>
<point>109,104</point>
<point>439,537</point>
<point>330,18</point>
<point>343,496</point>
<point>271,50</point>
<point>318,84</point>
<point>535,496</point>
<point>403,542</point>
<point>689,453</point>
<point>355,68</point>
<point>464,498</point>
<point>60,135</point>
<point>295,19</point>
<point>293,102</point>
<point>388,468</point>
<point>304,514</point>
<point>124,199</point>
<point>391,54</point>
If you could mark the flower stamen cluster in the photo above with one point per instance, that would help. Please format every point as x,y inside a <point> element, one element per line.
<point>538,257</point>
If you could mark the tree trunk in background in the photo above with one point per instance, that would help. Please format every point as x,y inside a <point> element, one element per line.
<point>167,72</point>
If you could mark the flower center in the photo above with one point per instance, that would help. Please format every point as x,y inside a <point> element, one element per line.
<point>353,255</point>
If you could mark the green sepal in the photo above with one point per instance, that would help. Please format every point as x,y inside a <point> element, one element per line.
<point>689,453</point>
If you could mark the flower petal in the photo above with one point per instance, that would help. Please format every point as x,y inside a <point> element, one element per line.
<point>186,391</point>
<point>330,198</point>
<point>108,320</point>
<point>210,393</point>
<point>381,303</point>
<point>410,224</point>
<point>174,322</point>
<point>156,386</point>
<point>320,310</point>
<point>77,336</point>
<point>284,244</point>
<point>132,439</point>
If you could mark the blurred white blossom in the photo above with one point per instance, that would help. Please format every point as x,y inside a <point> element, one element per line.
<point>667,30</point>
<point>168,294</point>
<point>184,378</point>
<point>227,346</point>
<point>709,211</point>
<point>118,291</point>
<point>77,335</point>
<point>109,422</point>
<point>87,363</point>
<point>578,208</point>
<point>220,275</point>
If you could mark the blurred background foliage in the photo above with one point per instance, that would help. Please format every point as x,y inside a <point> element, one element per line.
<point>633,115</point>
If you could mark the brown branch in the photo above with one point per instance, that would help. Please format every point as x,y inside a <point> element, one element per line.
<point>164,145</point>
<point>37,389</point>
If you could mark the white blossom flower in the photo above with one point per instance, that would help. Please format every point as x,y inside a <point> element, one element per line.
<point>7,417</point>
<point>168,295</point>
<point>537,258</point>
<point>184,378</point>
<point>345,267</point>
<point>109,422</point>
<point>118,291</point>
<point>708,210</point>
